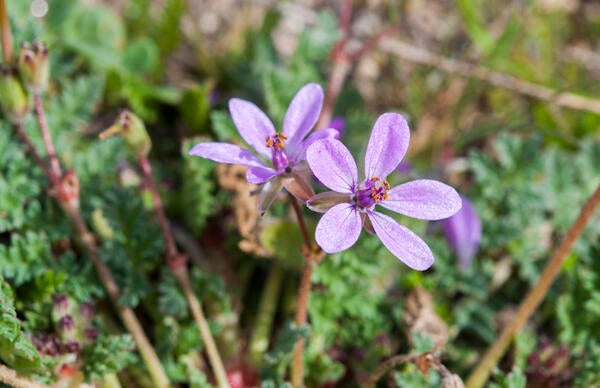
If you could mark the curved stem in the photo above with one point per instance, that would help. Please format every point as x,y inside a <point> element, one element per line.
<point>134,327</point>
<point>177,263</point>
<point>54,180</point>
<point>49,144</point>
<point>535,296</point>
<point>385,367</point>
<point>12,378</point>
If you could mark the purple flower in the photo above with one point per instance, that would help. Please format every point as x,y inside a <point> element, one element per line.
<point>285,151</point>
<point>351,204</point>
<point>463,232</point>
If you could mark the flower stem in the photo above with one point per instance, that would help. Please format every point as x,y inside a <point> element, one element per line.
<point>7,39</point>
<point>535,295</point>
<point>264,317</point>
<point>127,315</point>
<point>177,263</point>
<point>211,348</point>
<point>297,368</point>
<point>54,180</point>
<point>48,143</point>
<point>12,378</point>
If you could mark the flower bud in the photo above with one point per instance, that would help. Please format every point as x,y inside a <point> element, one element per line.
<point>463,232</point>
<point>134,132</point>
<point>61,306</point>
<point>73,346</point>
<point>90,335</point>
<point>34,66</point>
<point>13,97</point>
<point>86,311</point>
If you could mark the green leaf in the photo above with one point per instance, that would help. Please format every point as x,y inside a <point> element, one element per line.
<point>109,354</point>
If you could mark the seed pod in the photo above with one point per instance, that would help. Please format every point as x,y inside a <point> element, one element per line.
<point>34,66</point>
<point>134,133</point>
<point>13,97</point>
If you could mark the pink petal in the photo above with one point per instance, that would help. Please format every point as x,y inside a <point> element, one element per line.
<point>339,228</point>
<point>332,164</point>
<point>387,145</point>
<point>252,124</point>
<point>463,232</point>
<point>424,199</point>
<point>321,134</point>
<point>402,242</point>
<point>258,175</point>
<point>302,114</point>
<point>226,153</point>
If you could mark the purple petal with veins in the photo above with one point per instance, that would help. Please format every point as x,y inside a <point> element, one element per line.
<point>227,153</point>
<point>302,114</point>
<point>258,175</point>
<point>333,165</point>
<point>339,228</point>
<point>252,123</point>
<point>402,242</point>
<point>424,199</point>
<point>387,145</point>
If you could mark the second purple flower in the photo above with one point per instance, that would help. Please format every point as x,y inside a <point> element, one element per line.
<point>351,204</point>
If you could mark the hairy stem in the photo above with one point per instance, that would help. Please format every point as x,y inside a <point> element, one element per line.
<point>385,367</point>
<point>535,295</point>
<point>7,39</point>
<point>211,348</point>
<point>127,315</point>
<point>263,323</point>
<point>297,368</point>
<point>177,263</point>
<point>11,377</point>
<point>48,143</point>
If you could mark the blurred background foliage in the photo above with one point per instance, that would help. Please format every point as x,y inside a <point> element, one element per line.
<point>526,165</point>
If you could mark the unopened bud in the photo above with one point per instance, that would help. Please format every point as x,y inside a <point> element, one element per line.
<point>60,307</point>
<point>67,328</point>
<point>134,133</point>
<point>33,65</point>
<point>13,97</point>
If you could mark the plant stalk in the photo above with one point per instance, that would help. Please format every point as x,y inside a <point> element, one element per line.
<point>48,143</point>
<point>177,263</point>
<point>535,296</point>
<point>209,343</point>
<point>263,323</point>
<point>127,315</point>
<point>297,368</point>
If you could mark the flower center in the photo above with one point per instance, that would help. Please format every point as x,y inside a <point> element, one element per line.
<point>276,143</point>
<point>375,190</point>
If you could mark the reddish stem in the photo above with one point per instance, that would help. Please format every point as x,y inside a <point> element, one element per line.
<point>54,180</point>
<point>49,144</point>
<point>162,218</point>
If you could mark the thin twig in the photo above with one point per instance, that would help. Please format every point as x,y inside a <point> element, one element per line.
<point>424,57</point>
<point>535,296</point>
<point>209,343</point>
<point>48,143</point>
<point>177,263</point>
<point>12,378</point>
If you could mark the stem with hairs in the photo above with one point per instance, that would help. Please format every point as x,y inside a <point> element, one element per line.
<point>177,262</point>
<point>10,377</point>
